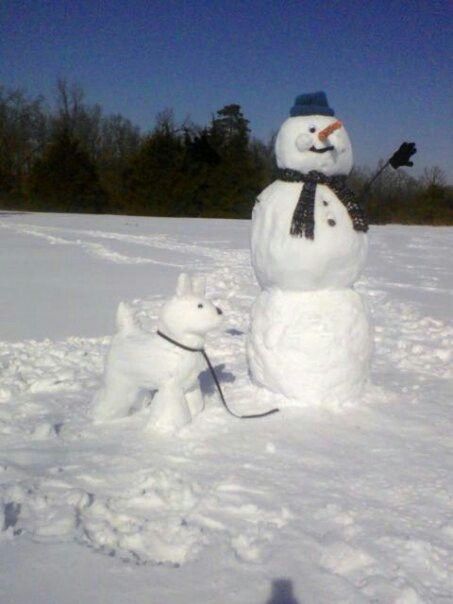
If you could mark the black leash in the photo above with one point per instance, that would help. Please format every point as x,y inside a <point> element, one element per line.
<point>216,381</point>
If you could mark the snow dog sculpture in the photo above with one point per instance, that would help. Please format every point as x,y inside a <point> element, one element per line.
<point>139,361</point>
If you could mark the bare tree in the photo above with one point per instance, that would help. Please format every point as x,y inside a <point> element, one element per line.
<point>23,134</point>
<point>433,176</point>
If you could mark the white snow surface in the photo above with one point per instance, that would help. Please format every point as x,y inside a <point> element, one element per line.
<point>347,506</point>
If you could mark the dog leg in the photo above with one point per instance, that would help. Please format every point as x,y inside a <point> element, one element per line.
<point>195,401</point>
<point>169,411</point>
<point>115,399</point>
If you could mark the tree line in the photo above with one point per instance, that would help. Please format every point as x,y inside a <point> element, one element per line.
<point>72,158</point>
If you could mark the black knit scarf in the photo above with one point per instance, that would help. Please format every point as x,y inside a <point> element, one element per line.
<point>303,221</point>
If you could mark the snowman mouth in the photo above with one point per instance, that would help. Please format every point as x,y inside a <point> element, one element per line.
<point>322,150</point>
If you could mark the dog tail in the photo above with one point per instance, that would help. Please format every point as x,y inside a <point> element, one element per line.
<point>125,319</point>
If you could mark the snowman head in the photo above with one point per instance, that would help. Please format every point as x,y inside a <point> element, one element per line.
<point>313,139</point>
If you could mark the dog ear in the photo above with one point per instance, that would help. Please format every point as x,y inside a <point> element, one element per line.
<point>184,286</point>
<point>199,285</point>
<point>124,319</point>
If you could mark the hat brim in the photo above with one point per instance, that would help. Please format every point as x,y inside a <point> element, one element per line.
<point>299,110</point>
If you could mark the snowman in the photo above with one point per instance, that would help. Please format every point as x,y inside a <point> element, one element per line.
<point>310,339</point>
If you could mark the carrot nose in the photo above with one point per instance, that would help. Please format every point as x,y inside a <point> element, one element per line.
<point>328,131</point>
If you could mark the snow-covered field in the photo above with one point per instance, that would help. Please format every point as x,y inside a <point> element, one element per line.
<point>310,504</point>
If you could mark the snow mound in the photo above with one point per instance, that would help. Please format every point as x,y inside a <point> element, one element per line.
<point>160,518</point>
<point>146,523</point>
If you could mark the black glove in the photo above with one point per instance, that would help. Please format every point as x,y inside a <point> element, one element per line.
<point>403,155</point>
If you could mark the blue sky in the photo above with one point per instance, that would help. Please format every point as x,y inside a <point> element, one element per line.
<point>385,65</point>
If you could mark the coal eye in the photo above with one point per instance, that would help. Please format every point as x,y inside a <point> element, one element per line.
<point>312,129</point>
<point>331,222</point>
<point>200,305</point>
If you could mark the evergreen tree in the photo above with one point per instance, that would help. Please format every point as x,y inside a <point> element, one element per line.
<point>65,179</point>
<point>230,130</point>
<point>236,177</point>
<point>119,141</point>
<point>156,176</point>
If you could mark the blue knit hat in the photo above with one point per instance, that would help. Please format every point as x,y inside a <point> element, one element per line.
<point>313,103</point>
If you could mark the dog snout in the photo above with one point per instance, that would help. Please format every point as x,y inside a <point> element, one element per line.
<point>219,310</point>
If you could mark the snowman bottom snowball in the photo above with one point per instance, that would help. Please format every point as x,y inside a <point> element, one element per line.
<point>312,347</point>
